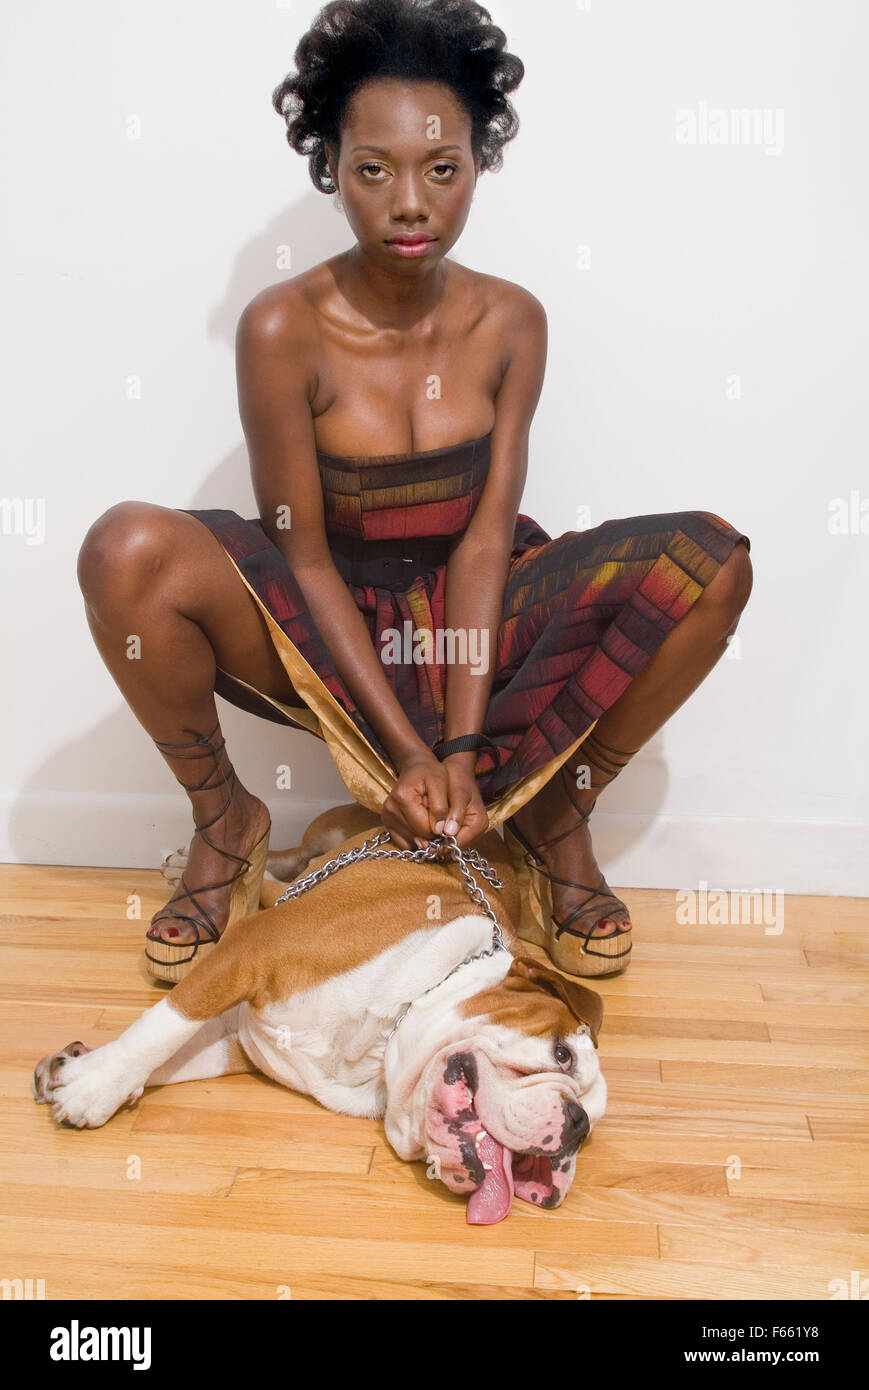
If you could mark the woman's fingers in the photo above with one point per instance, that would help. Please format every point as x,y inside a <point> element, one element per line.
<point>437,801</point>
<point>457,814</point>
<point>404,837</point>
<point>406,815</point>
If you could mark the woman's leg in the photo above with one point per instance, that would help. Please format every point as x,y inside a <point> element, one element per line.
<point>160,576</point>
<point>684,659</point>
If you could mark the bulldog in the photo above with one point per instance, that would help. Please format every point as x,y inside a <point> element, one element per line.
<point>376,991</point>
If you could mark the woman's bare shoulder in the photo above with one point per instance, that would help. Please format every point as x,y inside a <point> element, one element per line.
<point>512,318</point>
<point>278,338</point>
<point>288,310</point>
<point>506,301</point>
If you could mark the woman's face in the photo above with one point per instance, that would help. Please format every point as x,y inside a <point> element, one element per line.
<point>405,168</point>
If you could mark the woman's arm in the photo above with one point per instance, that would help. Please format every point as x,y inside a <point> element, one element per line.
<point>479,562</point>
<point>276,385</point>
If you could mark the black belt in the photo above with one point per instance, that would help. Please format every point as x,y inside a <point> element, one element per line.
<point>388,564</point>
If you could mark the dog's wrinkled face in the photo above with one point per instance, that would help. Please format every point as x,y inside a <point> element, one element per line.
<point>506,1110</point>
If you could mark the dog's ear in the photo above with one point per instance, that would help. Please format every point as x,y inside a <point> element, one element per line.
<point>585,1005</point>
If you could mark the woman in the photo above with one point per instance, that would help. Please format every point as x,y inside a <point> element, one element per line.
<point>386,397</point>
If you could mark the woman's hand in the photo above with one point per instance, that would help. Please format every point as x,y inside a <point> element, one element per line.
<point>428,793</point>
<point>467,817</point>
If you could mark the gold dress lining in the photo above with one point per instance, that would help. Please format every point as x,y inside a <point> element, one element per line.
<point>368,779</point>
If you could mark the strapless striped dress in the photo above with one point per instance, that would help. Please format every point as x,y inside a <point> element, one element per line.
<point>582,614</point>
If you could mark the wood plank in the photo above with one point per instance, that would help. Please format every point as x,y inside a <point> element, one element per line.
<point>807,1056</point>
<point>255,1239</point>
<point>662,1278</point>
<point>822,1085</point>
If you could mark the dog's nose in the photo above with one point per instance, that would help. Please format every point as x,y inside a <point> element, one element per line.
<point>576,1123</point>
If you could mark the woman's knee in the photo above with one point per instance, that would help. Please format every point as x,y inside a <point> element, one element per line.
<point>730,588</point>
<point>127,545</point>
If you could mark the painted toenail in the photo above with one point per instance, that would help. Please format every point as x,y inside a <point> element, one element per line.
<point>171,931</point>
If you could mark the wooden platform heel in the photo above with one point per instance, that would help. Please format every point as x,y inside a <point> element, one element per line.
<point>165,960</point>
<point>571,949</point>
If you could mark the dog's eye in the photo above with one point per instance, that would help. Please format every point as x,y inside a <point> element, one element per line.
<point>563,1055</point>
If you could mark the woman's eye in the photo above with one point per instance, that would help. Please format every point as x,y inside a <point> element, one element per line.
<point>563,1055</point>
<point>446,170</point>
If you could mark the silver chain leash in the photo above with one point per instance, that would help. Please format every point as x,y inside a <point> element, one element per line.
<point>467,861</point>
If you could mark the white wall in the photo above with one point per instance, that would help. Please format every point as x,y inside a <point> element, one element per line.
<point>706,262</point>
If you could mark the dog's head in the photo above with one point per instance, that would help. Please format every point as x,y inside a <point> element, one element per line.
<point>503,1110</point>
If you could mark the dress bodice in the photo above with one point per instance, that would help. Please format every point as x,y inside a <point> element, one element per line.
<point>432,492</point>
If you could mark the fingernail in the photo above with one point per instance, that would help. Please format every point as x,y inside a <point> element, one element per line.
<point>421,844</point>
<point>451,827</point>
<point>439,827</point>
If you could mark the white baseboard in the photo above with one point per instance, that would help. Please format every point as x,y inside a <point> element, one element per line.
<point>664,851</point>
<point>635,851</point>
<point>122,831</point>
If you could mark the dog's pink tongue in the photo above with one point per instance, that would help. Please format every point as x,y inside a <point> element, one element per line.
<point>493,1198</point>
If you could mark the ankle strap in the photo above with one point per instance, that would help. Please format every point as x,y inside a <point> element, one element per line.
<point>201,739</point>
<point>606,757</point>
<point>204,740</point>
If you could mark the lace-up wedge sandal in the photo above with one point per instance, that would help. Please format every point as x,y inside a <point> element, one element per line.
<point>165,960</point>
<point>574,951</point>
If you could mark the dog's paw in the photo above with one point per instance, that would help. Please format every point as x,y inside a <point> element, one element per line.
<point>84,1088</point>
<point>174,865</point>
<point>47,1071</point>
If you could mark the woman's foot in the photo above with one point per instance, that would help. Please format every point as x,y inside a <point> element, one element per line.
<point>241,827</point>
<point>546,816</point>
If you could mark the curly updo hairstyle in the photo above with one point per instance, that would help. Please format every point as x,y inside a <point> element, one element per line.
<point>352,41</point>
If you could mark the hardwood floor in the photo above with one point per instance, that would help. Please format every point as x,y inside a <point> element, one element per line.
<point>731,1162</point>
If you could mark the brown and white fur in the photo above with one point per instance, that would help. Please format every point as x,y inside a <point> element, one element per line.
<point>492,1077</point>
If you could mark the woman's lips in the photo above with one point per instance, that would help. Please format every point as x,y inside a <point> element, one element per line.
<point>411,248</point>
